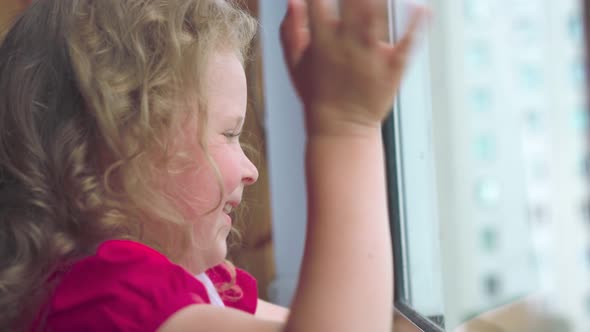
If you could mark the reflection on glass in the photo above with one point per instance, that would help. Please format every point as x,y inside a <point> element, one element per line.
<point>477,56</point>
<point>580,120</point>
<point>501,201</point>
<point>480,100</point>
<point>526,30</point>
<point>578,73</point>
<point>585,211</point>
<point>585,167</point>
<point>487,192</point>
<point>485,148</point>
<point>576,27</point>
<point>531,77</point>
<point>538,214</point>
<point>492,285</point>
<point>539,170</point>
<point>476,10</point>
<point>489,240</point>
<point>534,120</point>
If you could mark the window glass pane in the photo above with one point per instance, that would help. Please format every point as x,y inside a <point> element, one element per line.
<point>491,128</point>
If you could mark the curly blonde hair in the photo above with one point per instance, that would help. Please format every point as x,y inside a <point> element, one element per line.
<point>90,91</point>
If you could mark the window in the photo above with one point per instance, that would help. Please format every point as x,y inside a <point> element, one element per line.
<point>488,164</point>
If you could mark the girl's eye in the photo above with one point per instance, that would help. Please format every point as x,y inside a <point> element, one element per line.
<point>232,135</point>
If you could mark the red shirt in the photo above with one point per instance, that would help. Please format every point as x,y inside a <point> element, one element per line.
<point>127,286</point>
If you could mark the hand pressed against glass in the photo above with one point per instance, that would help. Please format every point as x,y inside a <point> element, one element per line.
<point>339,65</point>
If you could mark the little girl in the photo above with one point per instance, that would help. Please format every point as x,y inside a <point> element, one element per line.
<point>120,165</point>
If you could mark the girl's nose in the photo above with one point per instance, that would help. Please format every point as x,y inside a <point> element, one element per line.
<point>250,172</point>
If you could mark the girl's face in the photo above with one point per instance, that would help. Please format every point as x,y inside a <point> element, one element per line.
<point>197,190</point>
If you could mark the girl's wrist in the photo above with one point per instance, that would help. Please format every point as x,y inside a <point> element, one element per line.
<point>333,121</point>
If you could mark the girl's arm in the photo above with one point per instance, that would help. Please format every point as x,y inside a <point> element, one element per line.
<point>270,311</point>
<point>346,79</point>
<point>346,280</point>
<point>348,271</point>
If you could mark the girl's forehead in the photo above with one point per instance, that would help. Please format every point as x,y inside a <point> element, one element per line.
<point>222,64</point>
<point>226,90</point>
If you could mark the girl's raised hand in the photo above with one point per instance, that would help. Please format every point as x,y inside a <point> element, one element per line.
<point>345,76</point>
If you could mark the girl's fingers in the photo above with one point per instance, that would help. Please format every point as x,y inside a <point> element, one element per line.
<point>295,31</point>
<point>360,20</point>
<point>319,18</point>
<point>401,50</point>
